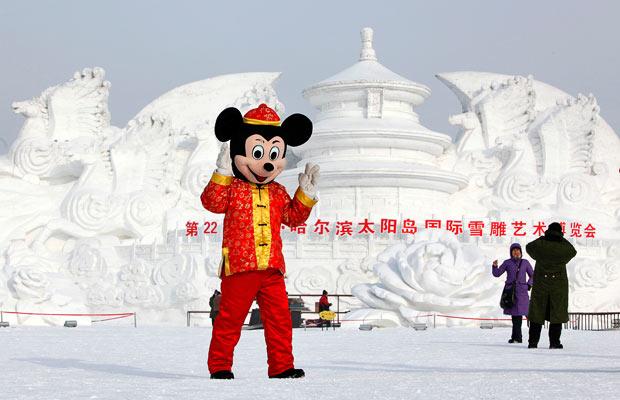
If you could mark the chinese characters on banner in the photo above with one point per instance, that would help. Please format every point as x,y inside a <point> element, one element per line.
<point>410,227</point>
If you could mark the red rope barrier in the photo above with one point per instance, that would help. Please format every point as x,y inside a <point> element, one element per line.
<point>475,319</point>
<point>430,315</point>
<point>488,319</point>
<point>68,315</point>
<point>436,315</point>
<point>110,319</point>
<point>362,320</point>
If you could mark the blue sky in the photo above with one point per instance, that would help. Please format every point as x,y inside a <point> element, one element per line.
<point>150,47</point>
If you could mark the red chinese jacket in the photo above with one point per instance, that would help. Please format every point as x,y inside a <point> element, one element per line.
<point>253,219</point>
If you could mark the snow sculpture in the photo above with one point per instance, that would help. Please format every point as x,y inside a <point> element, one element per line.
<point>36,284</point>
<point>532,147</point>
<point>87,207</point>
<point>532,153</point>
<point>105,237</point>
<point>374,152</point>
<point>595,282</point>
<point>378,160</point>
<point>432,273</point>
<point>558,163</point>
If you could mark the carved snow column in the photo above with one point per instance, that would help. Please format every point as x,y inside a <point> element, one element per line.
<point>375,155</point>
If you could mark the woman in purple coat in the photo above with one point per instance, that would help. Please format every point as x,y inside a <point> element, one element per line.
<point>516,268</point>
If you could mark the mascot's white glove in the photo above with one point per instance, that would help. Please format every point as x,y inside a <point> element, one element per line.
<point>308,180</point>
<point>224,163</point>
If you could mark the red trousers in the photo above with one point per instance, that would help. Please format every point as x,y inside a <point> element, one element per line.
<point>238,292</point>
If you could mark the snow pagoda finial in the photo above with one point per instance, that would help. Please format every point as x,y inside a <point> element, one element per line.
<point>368,53</point>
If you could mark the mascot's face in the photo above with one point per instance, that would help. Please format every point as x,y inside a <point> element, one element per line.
<point>258,149</point>
<point>263,160</point>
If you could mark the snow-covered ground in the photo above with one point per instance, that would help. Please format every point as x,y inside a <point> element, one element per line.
<point>120,362</point>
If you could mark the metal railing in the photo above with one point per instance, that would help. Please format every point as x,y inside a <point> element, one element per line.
<point>593,321</point>
<point>290,296</point>
<point>336,296</point>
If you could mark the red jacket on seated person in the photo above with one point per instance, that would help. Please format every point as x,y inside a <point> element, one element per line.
<point>324,303</point>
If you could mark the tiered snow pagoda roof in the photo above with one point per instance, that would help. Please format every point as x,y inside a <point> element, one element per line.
<point>367,133</point>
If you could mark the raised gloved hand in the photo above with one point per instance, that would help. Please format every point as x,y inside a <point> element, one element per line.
<point>224,163</point>
<point>308,180</point>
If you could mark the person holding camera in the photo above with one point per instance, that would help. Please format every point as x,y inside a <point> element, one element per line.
<point>550,293</point>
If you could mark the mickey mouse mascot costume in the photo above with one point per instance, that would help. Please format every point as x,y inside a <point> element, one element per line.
<point>255,207</point>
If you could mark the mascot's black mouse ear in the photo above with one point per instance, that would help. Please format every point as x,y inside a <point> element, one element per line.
<point>227,124</point>
<point>296,129</point>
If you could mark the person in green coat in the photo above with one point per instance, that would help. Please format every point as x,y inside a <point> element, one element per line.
<point>549,300</point>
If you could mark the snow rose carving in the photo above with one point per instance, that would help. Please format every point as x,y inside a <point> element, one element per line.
<point>314,280</point>
<point>143,211</point>
<point>588,273</point>
<point>574,189</point>
<point>136,272</point>
<point>104,295</point>
<point>186,292</point>
<point>354,272</point>
<point>612,269</point>
<point>181,268</point>
<point>434,273</point>
<point>197,177</point>
<point>593,284</point>
<point>87,262</point>
<point>89,209</point>
<point>29,284</point>
<point>613,251</point>
<point>582,300</point>
<point>143,295</point>
<point>137,287</point>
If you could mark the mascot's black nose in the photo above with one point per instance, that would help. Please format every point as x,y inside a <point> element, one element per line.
<point>268,167</point>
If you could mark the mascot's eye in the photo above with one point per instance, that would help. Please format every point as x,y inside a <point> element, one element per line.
<point>274,153</point>
<point>258,152</point>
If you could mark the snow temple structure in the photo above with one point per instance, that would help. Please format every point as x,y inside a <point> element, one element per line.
<point>408,220</point>
<point>375,155</point>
